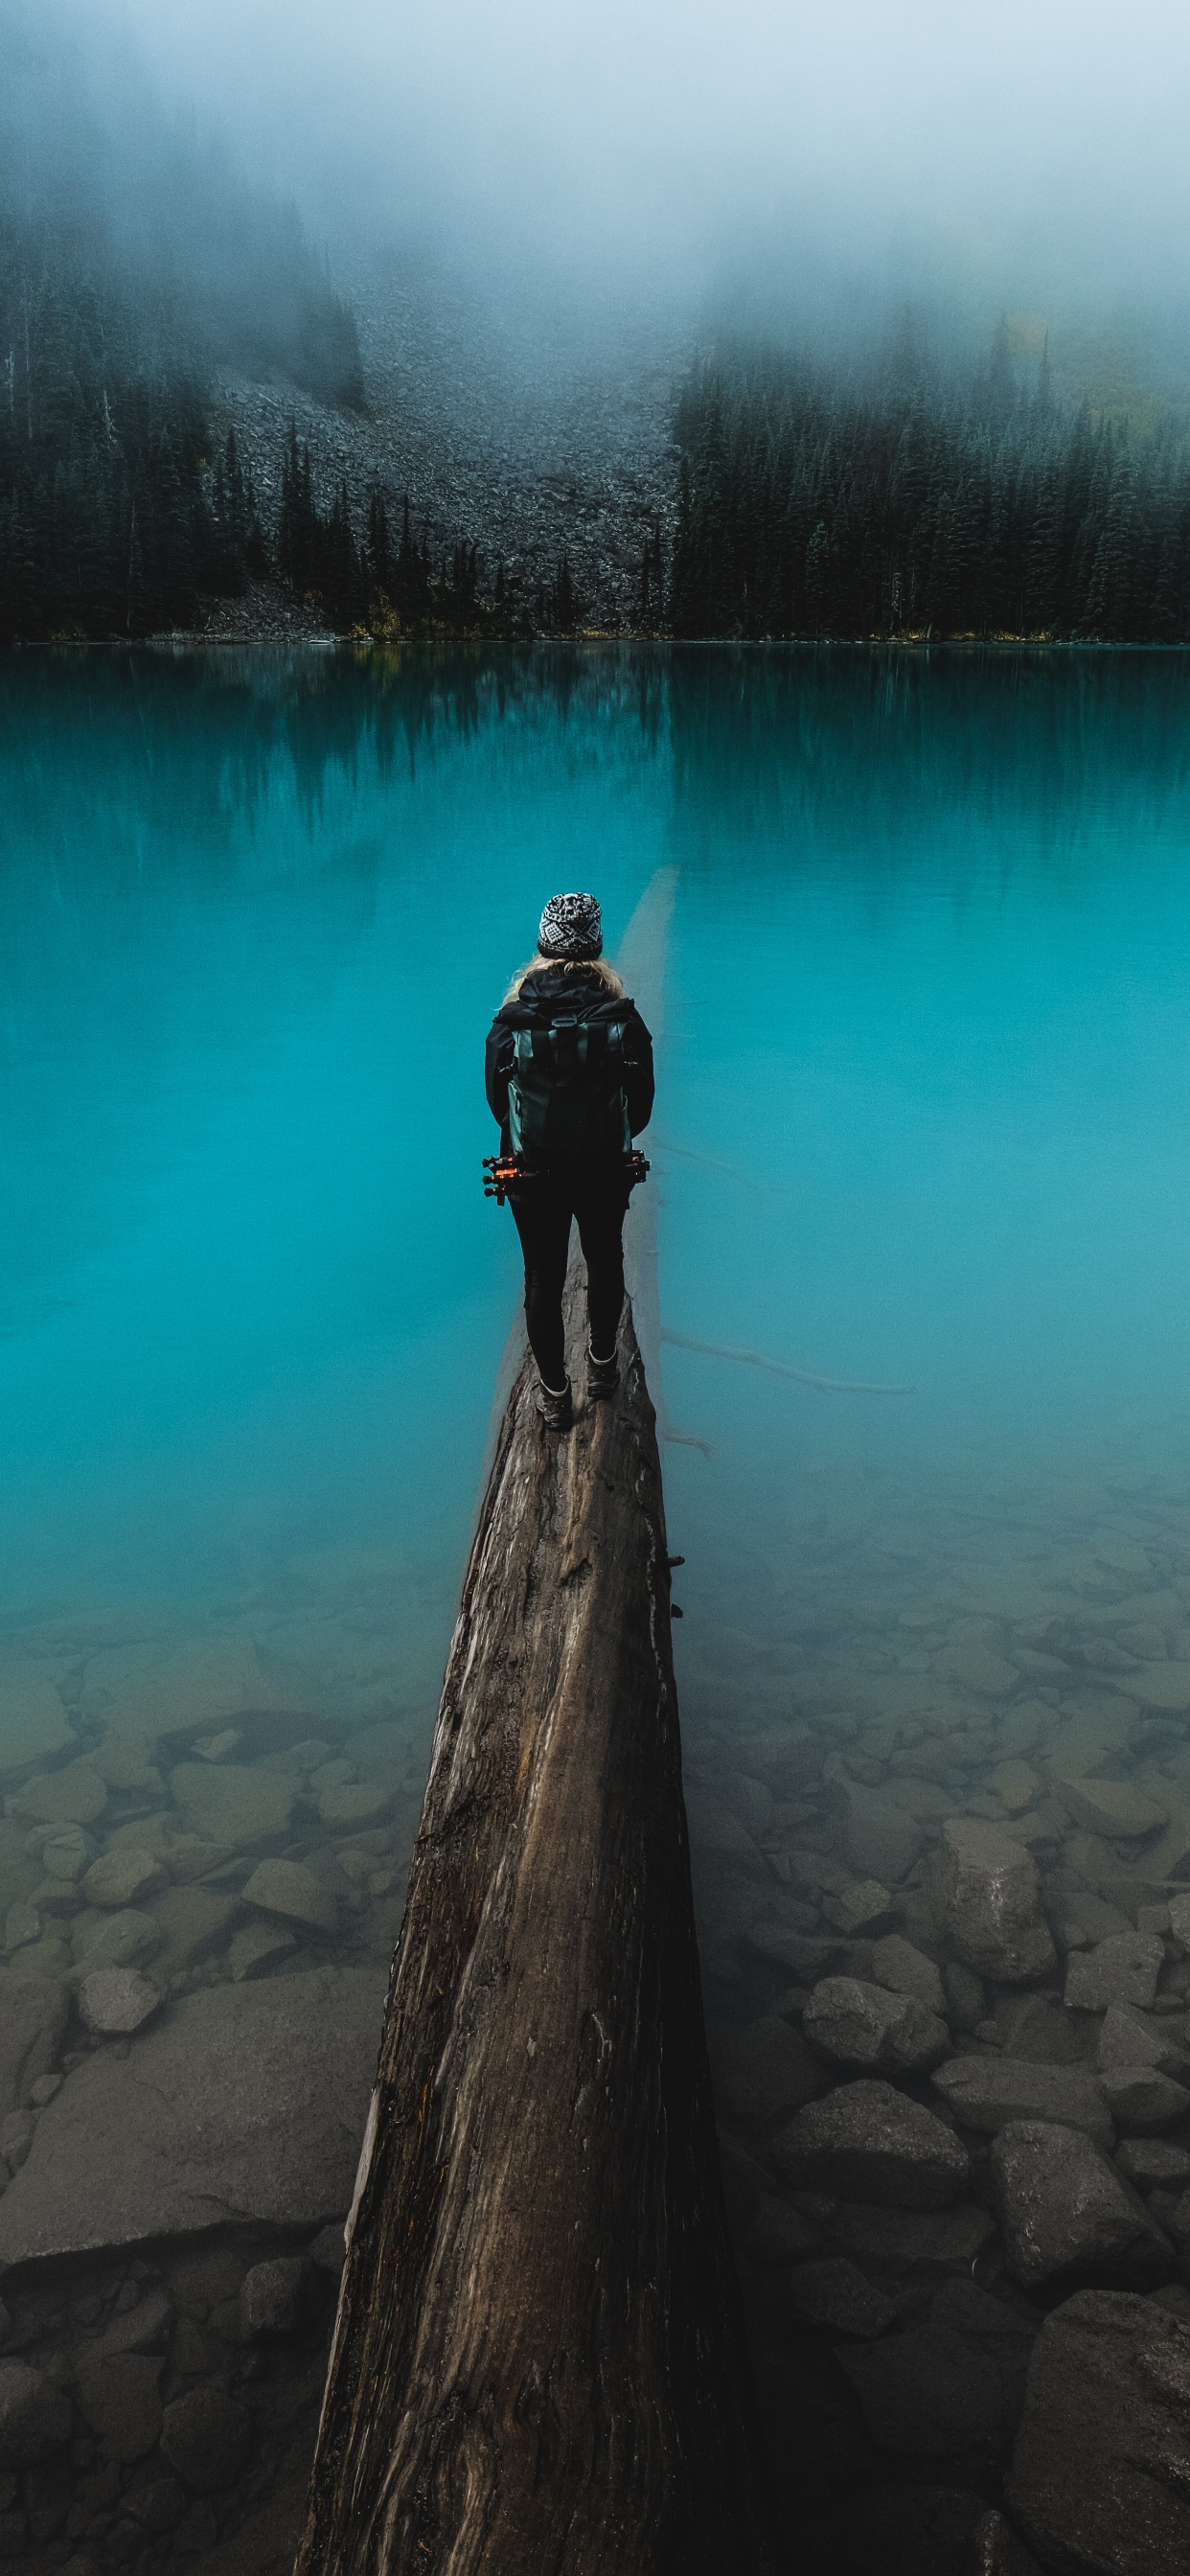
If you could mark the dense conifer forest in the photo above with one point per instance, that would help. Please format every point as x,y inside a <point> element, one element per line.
<point>913,507</point>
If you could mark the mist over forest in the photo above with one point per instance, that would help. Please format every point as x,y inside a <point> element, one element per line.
<point>656,326</point>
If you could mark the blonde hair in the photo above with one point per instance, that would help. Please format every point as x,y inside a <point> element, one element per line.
<point>570,966</point>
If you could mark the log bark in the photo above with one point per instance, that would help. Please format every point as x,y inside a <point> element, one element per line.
<point>538,2365</point>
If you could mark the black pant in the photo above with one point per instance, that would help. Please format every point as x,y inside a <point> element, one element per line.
<point>543,1208</point>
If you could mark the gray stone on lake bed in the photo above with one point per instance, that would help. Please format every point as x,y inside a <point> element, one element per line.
<point>1112,1807</point>
<point>206,2437</point>
<point>329,2250</point>
<point>862,1906</point>
<point>144,2328</point>
<point>905,1971</point>
<point>833,2294</point>
<point>191,1922</point>
<point>1143,2071</point>
<point>985,2092</point>
<point>929,2392</point>
<point>343,1807</point>
<point>285,1887</point>
<point>34,2416</point>
<point>114,2002</point>
<point>120,1878</point>
<point>858,2024</point>
<point>942,2241</point>
<point>120,2400</point>
<point>62,1849</point>
<point>997,2550</point>
<point>1122,1970</point>
<point>1066,2213</point>
<point>75,1796</point>
<point>986,1895</point>
<point>275,2297</point>
<point>1154,2164</point>
<point>33,1721</point>
<point>1100,2475</point>
<point>1161,1686</point>
<point>33,2017</point>
<point>116,1940</point>
<point>258,1946</point>
<point>966,2000</point>
<point>881,1840</point>
<point>1179,1918</point>
<point>238,1806</point>
<point>247,2104</point>
<point>867,2142</point>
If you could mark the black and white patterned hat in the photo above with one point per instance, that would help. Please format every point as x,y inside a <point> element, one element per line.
<point>571,926</point>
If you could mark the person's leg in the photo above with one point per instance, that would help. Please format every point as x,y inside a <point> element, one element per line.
<point>601,1210</point>
<point>543,1224</point>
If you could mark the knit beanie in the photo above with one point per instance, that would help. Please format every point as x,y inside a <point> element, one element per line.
<point>571,926</point>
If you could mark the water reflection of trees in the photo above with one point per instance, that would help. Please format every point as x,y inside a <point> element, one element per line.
<point>178,752</point>
<point>879,754</point>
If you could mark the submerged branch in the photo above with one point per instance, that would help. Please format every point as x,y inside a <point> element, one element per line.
<point>782,1368</point>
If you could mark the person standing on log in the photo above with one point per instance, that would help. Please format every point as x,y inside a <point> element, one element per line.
<point>569,1076</point>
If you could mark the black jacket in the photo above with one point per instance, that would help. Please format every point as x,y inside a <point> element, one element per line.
<point>549,990</point>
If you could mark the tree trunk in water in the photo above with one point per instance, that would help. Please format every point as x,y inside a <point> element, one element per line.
<point>538,2368</point>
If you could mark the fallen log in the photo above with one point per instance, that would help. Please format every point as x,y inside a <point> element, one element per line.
<point>537,2367</point>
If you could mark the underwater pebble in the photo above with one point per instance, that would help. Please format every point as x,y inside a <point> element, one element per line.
<point>114,2002</point>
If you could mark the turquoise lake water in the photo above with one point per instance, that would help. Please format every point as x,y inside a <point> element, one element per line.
<point>923,1117</point>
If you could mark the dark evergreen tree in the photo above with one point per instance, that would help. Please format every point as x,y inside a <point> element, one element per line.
<point>908,506</point>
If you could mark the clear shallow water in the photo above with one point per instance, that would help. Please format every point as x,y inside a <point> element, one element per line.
<point>922,1123</point>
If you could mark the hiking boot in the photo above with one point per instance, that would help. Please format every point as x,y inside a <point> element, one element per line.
<point>555,1409</point>
<point>603,1376</point>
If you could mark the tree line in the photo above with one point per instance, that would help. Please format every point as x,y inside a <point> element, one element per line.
<point>120,515</point>
<point>908,506</point>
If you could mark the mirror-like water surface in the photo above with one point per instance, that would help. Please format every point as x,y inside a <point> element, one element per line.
<point>919,1153</point>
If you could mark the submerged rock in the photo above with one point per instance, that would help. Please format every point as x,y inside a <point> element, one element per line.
<point>985,2092</point>
<point>865,2025</point>
<point>75,1796</point>
<point>929,2391</point>
<point>1100,2475</point>
<point>1064,2210</point>
<point>868,2142</point>
<point>998,2550</point>
<point>1152,2164</point>
<point>862,1906</point>
<point>1144,2074</point>
<point>986,1895</point>
<point>1121,1970</point>
<point>237,1806</point>
<point>285,1887</point>
<point>34,2416</point>
<point>275,2297</point>
<point>120,2399</point>
<point>33,1721</point>
<point>249,2102</point>
<point>1112,1807</point>
<point>114,1940</point>
<point>120,1877</point>
<point>33,2015</point>
<point>206,2437</point>
<point>911,2240</point>
<point>905,1971</point>
<point>114,2002</point>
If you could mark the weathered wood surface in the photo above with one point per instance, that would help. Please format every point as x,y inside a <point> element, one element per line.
<point>537,2364</point>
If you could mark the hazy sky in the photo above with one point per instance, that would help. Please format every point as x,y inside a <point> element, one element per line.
<point>1002,135</point>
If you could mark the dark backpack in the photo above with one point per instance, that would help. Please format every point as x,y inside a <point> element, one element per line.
<point>566,1087</point>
